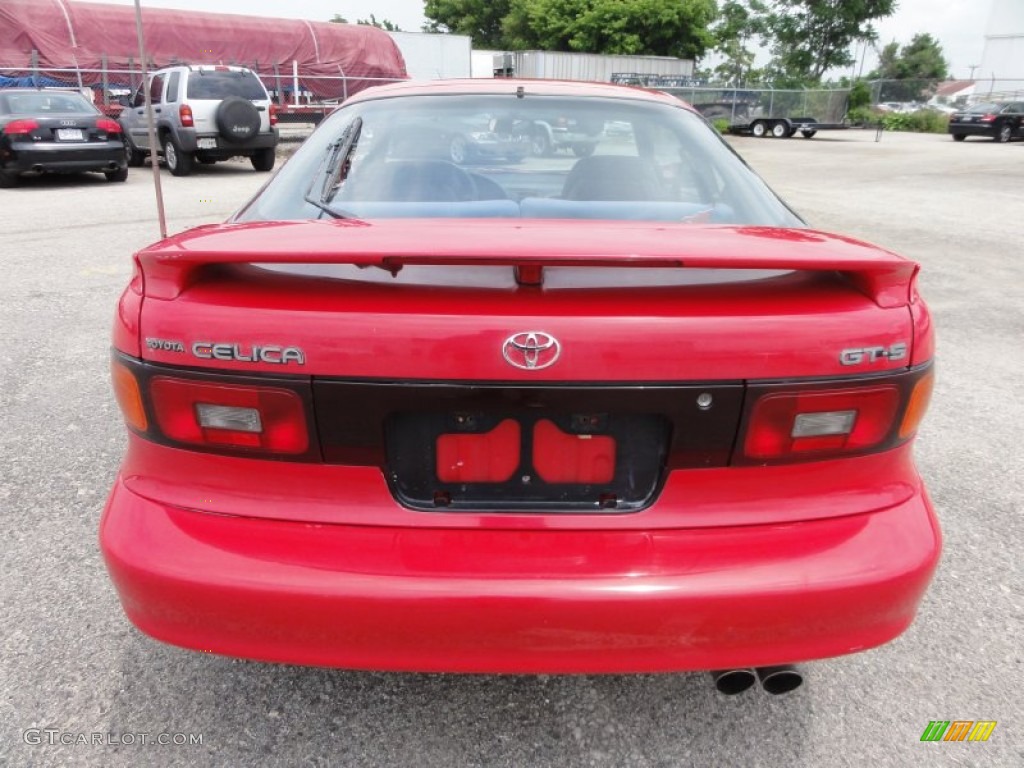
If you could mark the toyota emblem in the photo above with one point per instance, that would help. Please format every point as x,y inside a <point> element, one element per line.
<point>531,350</point>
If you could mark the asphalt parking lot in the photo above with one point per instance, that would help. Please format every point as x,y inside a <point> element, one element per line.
<point>72,663</point>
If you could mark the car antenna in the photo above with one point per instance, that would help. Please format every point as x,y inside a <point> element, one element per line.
<point>153,162</point>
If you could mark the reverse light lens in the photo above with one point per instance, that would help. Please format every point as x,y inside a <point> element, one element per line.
<point>819,424</point>
<point>129,396</point>
<point>228,417</point>
<point>256,418</point>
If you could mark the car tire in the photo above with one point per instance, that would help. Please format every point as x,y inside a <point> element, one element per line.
<point>179,162</point>
<point>133,157</point>
<point>8,180</point>
<point>808,134</point>
<point>758,129</point>
<point>237,119</point>
<point>583,150</point>
<point>779,130</point>
<point>1004,133</point>
<point>959,136</point>
<point>458,150</point>
<point>263,159</point>
<point>121,174</point>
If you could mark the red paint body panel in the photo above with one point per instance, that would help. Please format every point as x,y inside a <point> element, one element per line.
<point>489,600</point>
<point>792,325</point>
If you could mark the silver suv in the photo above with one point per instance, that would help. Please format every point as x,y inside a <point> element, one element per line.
<point>205,113</point>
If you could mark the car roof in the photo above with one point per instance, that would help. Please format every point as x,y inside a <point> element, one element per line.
<point>510,86</point>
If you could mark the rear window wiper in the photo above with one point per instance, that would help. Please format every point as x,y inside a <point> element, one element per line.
<point>334,170</point>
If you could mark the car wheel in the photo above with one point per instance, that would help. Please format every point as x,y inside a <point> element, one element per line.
<point>458,150</point>
<point>179,163</point>
<point>8,180</point>
<point>959,137</point>
<point>134,157</point>
<point>583,150</point>
<point>121,174</point>
<point>758,129</point>
<point>263,159</point>
<point>779,130</point>
<point>1003,133</point>
<point>808,134</point>
<point>541,144</point>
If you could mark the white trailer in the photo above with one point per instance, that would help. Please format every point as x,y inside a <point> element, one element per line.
<point>434,57</point>
<point>587,66</point>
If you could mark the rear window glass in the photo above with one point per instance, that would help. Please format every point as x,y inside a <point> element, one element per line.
<point>538,157</point>
<point>43,102</point>
<point>985,108</point>
<point>221,84</point>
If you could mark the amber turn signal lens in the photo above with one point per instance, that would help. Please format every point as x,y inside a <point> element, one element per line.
<point>129,397</point>
<point>917,405</point>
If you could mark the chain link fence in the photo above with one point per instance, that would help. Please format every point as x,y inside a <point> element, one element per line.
<point>288,86</point>
<point>906,94</point>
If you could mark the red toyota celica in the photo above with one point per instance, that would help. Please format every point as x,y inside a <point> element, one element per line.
<point>446,397</point>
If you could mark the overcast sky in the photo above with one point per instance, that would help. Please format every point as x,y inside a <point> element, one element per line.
<point>959,25</point>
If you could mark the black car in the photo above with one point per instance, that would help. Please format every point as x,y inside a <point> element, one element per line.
<point>44,130</point>
<point>999,120</point>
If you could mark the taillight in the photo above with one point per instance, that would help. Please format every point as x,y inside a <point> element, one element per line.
<point>798,422</point>
<point>17,127</point>
<point>246,417</point>
<point>214,412</point>
<point>987,118</point>
<point>185,116</point>
<point>273,114</point>
<point>108,125</point>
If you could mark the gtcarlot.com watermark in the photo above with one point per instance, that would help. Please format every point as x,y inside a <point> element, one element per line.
<point>55,737</point>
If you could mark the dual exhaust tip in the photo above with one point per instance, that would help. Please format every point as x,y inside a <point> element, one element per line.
<point>774,680</point>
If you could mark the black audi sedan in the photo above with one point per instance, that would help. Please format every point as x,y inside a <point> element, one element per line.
<point>999,120</point>
<point>58,131</point>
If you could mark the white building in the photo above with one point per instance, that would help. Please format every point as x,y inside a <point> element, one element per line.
<point>1002,63</point>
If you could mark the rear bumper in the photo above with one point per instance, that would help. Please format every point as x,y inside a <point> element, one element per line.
<point>105,156</point>
<point>511,601</point>
<point>973,129</point>
<point>189,141</point>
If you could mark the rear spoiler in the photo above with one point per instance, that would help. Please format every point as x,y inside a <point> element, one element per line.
<point>170,266</point>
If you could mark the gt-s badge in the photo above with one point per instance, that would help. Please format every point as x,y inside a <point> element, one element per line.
<point>873,354</point>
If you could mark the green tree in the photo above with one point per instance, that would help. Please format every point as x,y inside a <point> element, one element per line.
<point>385,24</point>
<point>920,59</point>
<point>649,27</point>
<point>480,19</point>
<point>916,68</point>
<point>738,23</point>
<point>810,37</point>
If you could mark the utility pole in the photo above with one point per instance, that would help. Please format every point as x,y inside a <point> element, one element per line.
<point>973,67</point>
